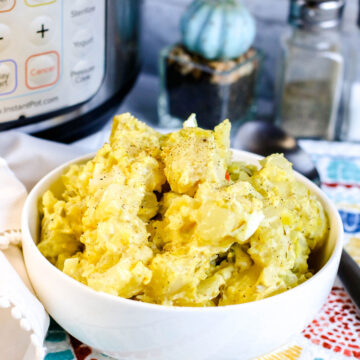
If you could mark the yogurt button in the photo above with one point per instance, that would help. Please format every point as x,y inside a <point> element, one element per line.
<point>4,36</point>
<point>82,42</point>
<point>42,70</point>
<point>82,11</point>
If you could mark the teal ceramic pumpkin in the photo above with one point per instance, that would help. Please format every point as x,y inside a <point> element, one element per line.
<point>217,29</point>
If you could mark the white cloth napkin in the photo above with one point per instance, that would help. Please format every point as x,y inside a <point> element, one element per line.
<point>23,319</point>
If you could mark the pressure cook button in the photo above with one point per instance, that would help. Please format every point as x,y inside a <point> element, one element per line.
<point>8,77</point>
<point>82,42</point>
<point>82,73</point>
<point>42,70</point>
<point>4,36</point>
<point>41,30</point>
<point>82,11</point>
<point>7,5</point>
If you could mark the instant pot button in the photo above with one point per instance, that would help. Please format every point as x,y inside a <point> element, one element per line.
<point>39,2</point>
<point>42,70</point>
<point>41,30</point>
<point>7,5</point>
<point>82,11</point>
<point>4,36</point>
<point>82,42</point>
<point>8,77</point>
<point>82,73</point>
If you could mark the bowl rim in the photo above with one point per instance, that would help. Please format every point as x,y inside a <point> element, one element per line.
<point>34,195</point>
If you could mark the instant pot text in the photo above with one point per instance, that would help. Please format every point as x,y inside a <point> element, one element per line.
<point>28,105</point>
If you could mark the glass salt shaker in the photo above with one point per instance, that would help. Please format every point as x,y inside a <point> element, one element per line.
<point>350,125</point>
<point>311,69</point>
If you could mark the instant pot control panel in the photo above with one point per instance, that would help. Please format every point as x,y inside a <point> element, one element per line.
<point>52,55</point>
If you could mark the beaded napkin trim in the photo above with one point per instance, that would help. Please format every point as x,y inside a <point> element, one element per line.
<point>25,325</point>
<point>10,237</point>
<point>7,238</point>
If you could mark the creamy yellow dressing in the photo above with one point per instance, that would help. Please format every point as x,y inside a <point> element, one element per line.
<point>170,219</point>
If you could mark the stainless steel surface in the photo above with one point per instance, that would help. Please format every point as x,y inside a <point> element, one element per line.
<point>121,60</point>
<point>316,14</point>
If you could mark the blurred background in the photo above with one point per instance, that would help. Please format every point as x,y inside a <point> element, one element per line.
<point>161,28</point>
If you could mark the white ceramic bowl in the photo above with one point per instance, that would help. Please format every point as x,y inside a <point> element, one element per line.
<point>128,329</point>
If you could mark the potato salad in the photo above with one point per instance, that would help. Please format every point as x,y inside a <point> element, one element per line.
<point>173,220</point>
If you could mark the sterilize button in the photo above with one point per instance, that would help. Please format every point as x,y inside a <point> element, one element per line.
<point>4,36</point>
<point>82,11</point>
<point>82,41</point>
<point>42,70</point>
<point>7,5</point>
<point>41,30</point>
<point>8,77</point>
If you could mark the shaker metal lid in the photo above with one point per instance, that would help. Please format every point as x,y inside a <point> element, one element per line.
<point>316,14</point>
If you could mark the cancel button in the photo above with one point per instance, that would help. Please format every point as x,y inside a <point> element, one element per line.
<point>82,73</point>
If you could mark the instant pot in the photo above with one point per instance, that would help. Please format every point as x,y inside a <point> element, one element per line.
<point>65,64</point>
